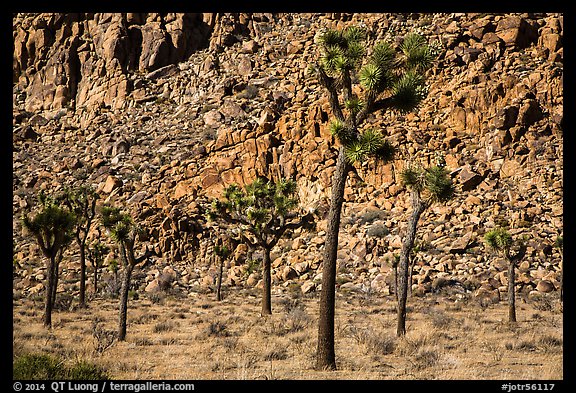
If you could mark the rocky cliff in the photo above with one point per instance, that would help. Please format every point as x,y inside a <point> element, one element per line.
<point>161,111</point>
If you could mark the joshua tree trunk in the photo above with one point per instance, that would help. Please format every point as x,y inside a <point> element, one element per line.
<point>124,301</point>
<point>219,280</point>
<point>513,260</point>
<point>95,280</point>
<point>266,294</point>
<point>511,291</point>
<point>396,281</point>
<point>48,305</point>
<point>562,276</point>
<point>325,357</point>
<point>82,247</point>
<point>56,275</point>
<point>419,206</point>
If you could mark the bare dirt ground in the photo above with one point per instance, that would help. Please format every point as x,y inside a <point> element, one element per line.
<point>194,337</point>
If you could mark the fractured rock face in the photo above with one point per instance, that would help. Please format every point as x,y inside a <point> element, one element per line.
<point>161,122</point>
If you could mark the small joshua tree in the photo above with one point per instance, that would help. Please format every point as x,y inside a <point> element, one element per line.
<point>96,253</point>
<point>222,252</point>
<point>123,230</point>
<point>560,245</point>
<point>52,228</point>
<point>426,186</point>
<point>82,201</point>
<point>387,78</point>
<point>263,211</point>
<point>500,240</point>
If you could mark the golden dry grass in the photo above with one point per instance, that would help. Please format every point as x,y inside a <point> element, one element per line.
<point>197,338</point>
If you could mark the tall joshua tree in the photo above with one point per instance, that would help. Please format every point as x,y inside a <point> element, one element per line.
<point>500,240</point>
<point>263,211</point>
<point>82,201</point>
<point>389,79</point>
<point>123,230</point>
<point>427,186</point>
<point>52,227</point>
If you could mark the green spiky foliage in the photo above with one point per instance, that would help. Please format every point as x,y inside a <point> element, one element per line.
<point>361,80</point>
<point>418,54</point>
<point>433,183</point>
<point>82,201</point>
<point>262,208</point>
<point>124,232</point>
<point>263,211</point>
<point>390,79</point>
<point>52,227</point>
<point>498,239</point>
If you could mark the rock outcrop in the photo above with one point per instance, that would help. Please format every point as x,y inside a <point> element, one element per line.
<point>161,111</point>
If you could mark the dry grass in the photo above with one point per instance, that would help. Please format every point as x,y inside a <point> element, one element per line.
<point>195,337</point>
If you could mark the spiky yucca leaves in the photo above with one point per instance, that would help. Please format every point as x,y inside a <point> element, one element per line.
<point>370,77</point>
<point>260,207</point>
<point>409,91</point>
<point>370,142</point>
<point>354,104</point>
<point>439,184</point>
<point>222,251</point>
<point>345,135</point>
<point>434,182</point>
<point>52,227</point>
<point>119,224</point>
<point>419,55</point>
<point>342,50</point>
<point>498,239</point>
<point>391,78</point>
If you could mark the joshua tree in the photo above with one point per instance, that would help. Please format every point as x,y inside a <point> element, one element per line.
<point>52,227</point>
<point>222,252</point>
<point>96,253</point>
<point>389,79</point>
<point>82,201</point>
<point>500,240</point>
<point>560,245</point>
<point>426,186</point>
<point>264,211</point>
<point>123,230</point>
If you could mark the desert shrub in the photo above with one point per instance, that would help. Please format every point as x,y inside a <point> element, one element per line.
<point>165,326</point>
<point>46,367</point>
<point>86,371</point>
<point>550,343</point>
<point>218,329</point>
<point>377,230</point>
<point>543,303</point>
<point>296,320</point>
<point>373,342</point>
<point>440,319</point>
<point>426,358</point>
<point>277,353</point>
